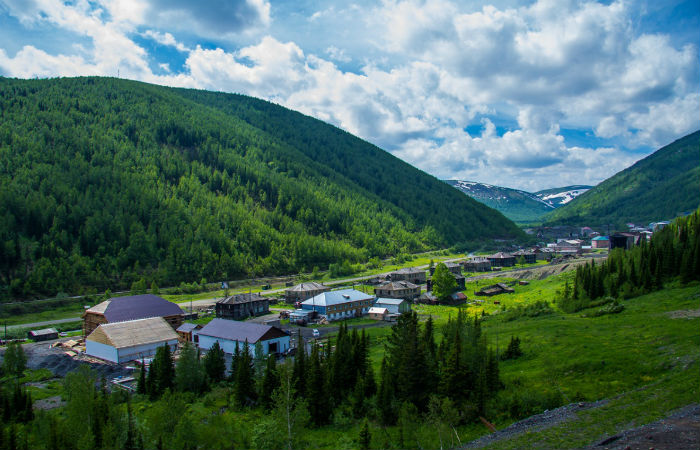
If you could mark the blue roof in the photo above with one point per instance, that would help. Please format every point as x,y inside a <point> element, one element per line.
<point>337,297</point>
<point>601,238</point>
<point>121,309</point>
<point>187,327</point>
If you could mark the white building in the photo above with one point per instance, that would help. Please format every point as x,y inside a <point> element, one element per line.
<point>131,340</point>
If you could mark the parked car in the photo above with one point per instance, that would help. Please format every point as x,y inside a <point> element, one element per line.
<point>316,333</point>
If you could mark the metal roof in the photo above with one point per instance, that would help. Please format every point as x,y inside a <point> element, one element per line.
<point>188,327</point>
<point>43,332</point>
<point>408,270</point>
<point>307,286</point>
<point>120,309</point>
<point>389,301</point>
<point>242,298</point>
<point>377,310</point>
<point>240,331</point>
<point>153,330</point>
<point>337,297</point>
<point>397,285</point>
<point>500,255</point>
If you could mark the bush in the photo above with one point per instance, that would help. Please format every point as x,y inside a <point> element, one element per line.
<point>613,308</point>
<point>539,308</point>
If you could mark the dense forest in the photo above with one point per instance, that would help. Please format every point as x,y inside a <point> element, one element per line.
<point>104,182</point>
<point>673,252</point>
<point>659,187</point>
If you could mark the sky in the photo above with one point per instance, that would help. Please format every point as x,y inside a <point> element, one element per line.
<point>523,94</point>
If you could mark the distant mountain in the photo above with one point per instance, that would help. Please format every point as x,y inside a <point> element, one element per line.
<point>661,186</point>
<point>517,205</point>
<point>561,196</point>
<point>107,182</point>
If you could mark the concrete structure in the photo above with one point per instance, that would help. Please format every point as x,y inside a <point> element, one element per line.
<point>122,309</point>
<point>338,305</point>
<point>397,289</point>
<point>410,274</point>
<point>393,305</point>
<point>242,306</point>
<point>130,340</point>
<point>46,334</point>
<point>304,291</point>
<point>231,333</point>
<point>476,265</point>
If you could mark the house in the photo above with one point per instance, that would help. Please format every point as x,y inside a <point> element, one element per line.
<point>460,279</point>
<point>46,334</point>
<point>341,304</point>
<point>133,307</point>
<point>393,305</point>
<point>410,274</point>
<point>185,331</point>
<point>454,268</point>
<point>495,289</point>
<point>528,256</point>
<point>476,265</point>
<point>586,231</point>
<point>376,313</point>
<point>501,259</point>
<point>428,298</point>
<point>600,242</point>
<point>130,340</point>
<point>301,316</point>
<point>458,297</point>
<point>304,291</point>
<point>231,334</point>
<point>398,289</point>
<point>242,306</point>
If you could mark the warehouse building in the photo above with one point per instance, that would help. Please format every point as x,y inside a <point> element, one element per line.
<point>122,309</point>
<point>230,333</point>
<point>131,340</point>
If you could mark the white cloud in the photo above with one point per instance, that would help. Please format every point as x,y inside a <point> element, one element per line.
<point>542,68</point>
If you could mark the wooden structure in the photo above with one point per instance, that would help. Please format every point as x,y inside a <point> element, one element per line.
<point>130,340</point>
<point>186,330</point>
<point>501,259</point>
<point>495,289</point>
<point>398,289</point>
<point>242,306</point>
<point>133,307</point>
<point>528,257</point>
<point>410,274</point>
<point>46,334</point>
<point>304,291</point>
<point>476,265</point>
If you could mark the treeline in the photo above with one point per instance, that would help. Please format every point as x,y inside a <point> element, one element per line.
<point>106,182</point>
<point>672,253</point>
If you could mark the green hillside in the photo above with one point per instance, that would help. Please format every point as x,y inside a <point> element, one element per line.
<point>105,181</point>
<point>660,186</point>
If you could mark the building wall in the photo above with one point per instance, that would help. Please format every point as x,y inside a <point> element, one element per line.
<point>229,346</point>
<point>121,355</point>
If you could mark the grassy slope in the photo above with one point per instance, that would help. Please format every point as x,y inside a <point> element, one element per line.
<point>658,187</point>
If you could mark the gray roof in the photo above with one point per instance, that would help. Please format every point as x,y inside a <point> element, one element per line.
<point>397,285</point>
<point>43,332</point>
<point>120,309</point>
<point>337,297</point>
<point>500,255</point>
<point>477,260</point>
<point>408,270</point>
<point>240,331</point>
<point>389,301</point>
<point>307,286</point>
<point>188,327</point>
<point>242,298</point>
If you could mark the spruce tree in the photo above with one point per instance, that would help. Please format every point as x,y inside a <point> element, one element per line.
<point>270,382</point>
<point>244,383</point>
<point>214,362</point>
<point>365,437</point>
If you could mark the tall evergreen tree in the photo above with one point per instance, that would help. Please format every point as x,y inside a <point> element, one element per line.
<point>214,362</point>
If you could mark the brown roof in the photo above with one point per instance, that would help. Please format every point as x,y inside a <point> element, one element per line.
<point>242,298</point>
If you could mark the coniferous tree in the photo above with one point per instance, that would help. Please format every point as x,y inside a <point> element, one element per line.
<point>214,362</point>
<point>244,382</point>
<point>270,382</point>
<point>385,397</point>
<point>189,374</point>
<point>365,437</point>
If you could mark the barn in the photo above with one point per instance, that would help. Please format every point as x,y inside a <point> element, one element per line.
<point>131,340</point>
<point>122,309</point>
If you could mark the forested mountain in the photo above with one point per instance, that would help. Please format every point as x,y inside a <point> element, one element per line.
<point>107,181</point>
<point>658,187</point>
<point>517,205</point>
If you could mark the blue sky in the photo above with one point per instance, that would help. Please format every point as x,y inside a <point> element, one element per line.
<point>529,95</point>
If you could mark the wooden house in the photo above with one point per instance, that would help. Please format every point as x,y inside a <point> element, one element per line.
<point>377,313</point>
<point>501,259</point>
<point>476,265</point>
<point>46,334</point>
<point>495,289</point>
<point>242,306</point>
<point>528,256</point>
<point>397,289</point>
<point>410,274</point>
<point>304,291</point>
<point>185,331</point>
<point>122,309</point>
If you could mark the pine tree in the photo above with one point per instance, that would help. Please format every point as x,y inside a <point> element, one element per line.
<point>189,374</point>
<point>299,370</point>
<point>365,437</point>
<point>385,398</point>
<point>141,385</point>
<point>270,382</point>
<point>244,383</point>
<point>214,362</point>
<point>316,388</point>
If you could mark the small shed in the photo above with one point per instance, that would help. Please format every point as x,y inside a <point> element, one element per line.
<point>46,334</point>
<point>393,305</point>
<point>185,331</point>
<point>131,340</point>
<point>495,289</point>
<point>376,313</point>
